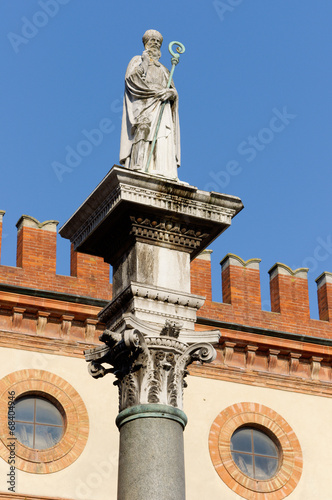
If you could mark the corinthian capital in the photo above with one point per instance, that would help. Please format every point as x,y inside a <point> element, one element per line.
<point>148,368</point>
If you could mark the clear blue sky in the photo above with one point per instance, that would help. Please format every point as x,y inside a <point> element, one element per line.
<point>246,64</point>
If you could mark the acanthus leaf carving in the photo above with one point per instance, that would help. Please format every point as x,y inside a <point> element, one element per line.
<point>171,329</point>
<point>148,369</point>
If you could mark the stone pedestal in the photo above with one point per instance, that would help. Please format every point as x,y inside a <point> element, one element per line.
<point>149,228</point>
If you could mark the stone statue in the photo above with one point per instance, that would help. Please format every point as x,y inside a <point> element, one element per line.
<point>145,92</point>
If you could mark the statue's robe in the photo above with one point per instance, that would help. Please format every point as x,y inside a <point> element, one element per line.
<point>141,110</point>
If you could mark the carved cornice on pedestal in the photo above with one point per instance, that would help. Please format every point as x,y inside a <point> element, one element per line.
<point>154,305</point>
<point>150,292</point>
<point>124,197</point>
<point>179,203</point>
<point>169,233</point>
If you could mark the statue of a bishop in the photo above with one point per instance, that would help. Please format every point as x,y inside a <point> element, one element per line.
<point>145,92</point>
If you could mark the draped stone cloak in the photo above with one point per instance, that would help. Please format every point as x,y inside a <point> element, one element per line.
<point>141,110</point>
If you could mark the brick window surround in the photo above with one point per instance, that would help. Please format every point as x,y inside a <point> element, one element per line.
<point>267,420</point>
<point>61,393</point>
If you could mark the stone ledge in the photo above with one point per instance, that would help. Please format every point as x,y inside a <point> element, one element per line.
<point>323,279</point>
<point>46,294</point>
<point>154,303</point>
<point>28,221</point>
<point>279,268</point>
<point>235,260</point>
<point>124,193</point>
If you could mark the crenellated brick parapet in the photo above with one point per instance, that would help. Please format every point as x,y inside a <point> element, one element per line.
<point>282,349</point>
<point>36,244</point>
<point>241,304</point>
<point>241,283</point>
<point>289,291</point>
<point>36,263</point>
<point>65,308</point>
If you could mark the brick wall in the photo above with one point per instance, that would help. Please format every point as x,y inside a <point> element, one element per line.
<point>36,263</point>
<point>89,276</point>
<point>242,298</point>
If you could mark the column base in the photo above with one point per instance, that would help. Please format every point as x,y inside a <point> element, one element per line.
<point>151,411</point>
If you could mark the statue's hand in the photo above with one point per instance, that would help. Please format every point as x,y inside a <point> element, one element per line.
<point>167,95</point>
<point>143,68</point>
<point>145,57</point>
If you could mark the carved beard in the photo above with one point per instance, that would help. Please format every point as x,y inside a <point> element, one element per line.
<point>154,52</point>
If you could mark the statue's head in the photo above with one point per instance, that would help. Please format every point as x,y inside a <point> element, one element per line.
<point>152,37</point>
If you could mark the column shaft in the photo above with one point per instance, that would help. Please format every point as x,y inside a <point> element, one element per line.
<point>151,461</point>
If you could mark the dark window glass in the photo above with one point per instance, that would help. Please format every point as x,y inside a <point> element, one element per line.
<point>254,453</point>
<point>263,445</point>
<point>24,410</point>
<point>38,423</point>
<point>47,413</point>
<point>241,441</point>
